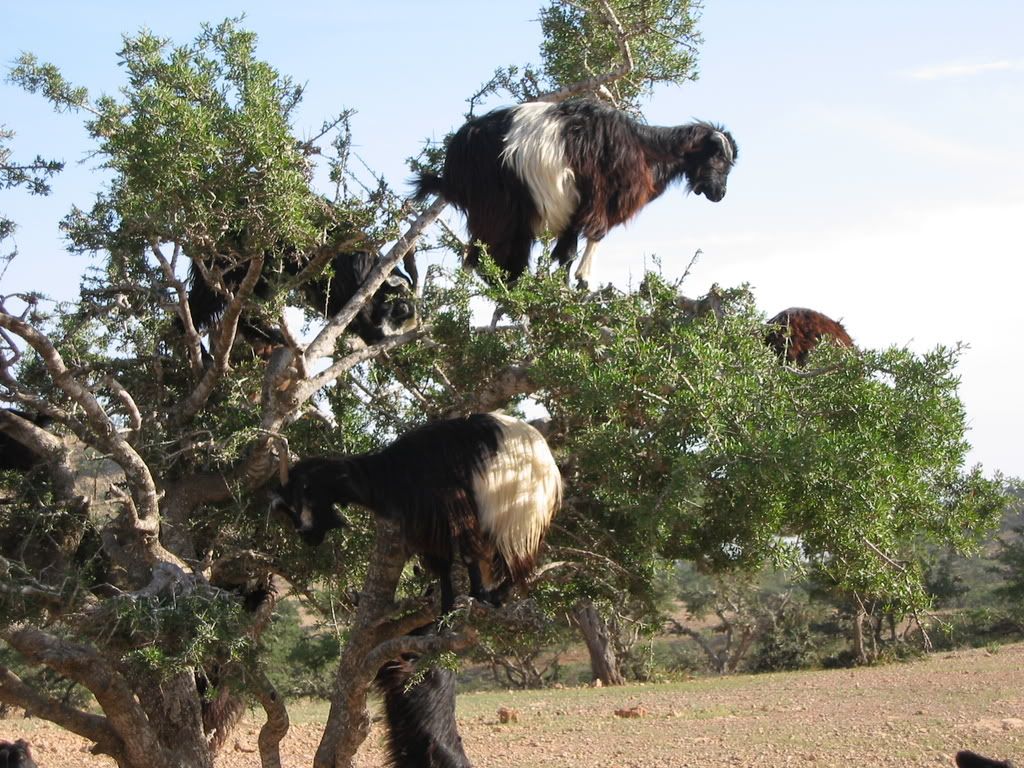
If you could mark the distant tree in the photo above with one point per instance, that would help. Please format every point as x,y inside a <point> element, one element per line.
<point>1010,556</point>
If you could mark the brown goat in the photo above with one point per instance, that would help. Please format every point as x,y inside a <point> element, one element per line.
<point>794,332</point>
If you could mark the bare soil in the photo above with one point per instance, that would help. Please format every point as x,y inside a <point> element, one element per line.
<point>915,714</point>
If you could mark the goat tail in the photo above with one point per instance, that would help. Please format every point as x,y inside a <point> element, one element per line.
<point>427,184</point>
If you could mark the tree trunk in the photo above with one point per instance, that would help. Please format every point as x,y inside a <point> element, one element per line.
<point>603,664</point>
<point>858,636</point>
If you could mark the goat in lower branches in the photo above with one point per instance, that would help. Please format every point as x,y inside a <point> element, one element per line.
<point>484,486</point>
<point>422,732</point>
<point>577,167</point>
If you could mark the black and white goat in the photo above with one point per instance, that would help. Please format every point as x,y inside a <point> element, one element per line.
<point>389,311</point>
<point>16,755</point>
<point>484,487</point>
<point>577,167</point>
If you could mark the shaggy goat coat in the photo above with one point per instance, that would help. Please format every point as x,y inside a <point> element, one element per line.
<point>422,732</point>
<point>794,332</point>
<point>16,755</point>
<point>568,168</point>
<point>484,486</point>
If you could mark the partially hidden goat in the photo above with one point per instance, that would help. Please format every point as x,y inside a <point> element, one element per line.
<point>484,487</point>
<point>967,759</point>
<point>389,311</point>
<point>572,168</point>
<point>794,332</point>
<point>16,755</point>
<point>422,731</point>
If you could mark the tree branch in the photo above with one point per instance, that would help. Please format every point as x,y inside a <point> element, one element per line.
<point>93,727</point>
<point>598,82</point>
<point>323,344</point>
<point>85,665</point>
<point>193,345</point>
<point>144,512</point>
<point>225,340</point>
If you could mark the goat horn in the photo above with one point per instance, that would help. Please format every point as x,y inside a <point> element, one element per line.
<point>282,465</point>
<point>723,140</point>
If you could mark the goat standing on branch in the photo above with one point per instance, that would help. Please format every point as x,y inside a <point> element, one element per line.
<point>485,486</point>
<point>577,167</point>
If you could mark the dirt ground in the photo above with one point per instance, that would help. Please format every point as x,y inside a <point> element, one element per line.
<point>916,714</point>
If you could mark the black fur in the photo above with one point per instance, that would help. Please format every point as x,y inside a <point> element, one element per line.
<point>14,454</point>
<point>619,165</point>
<point>422,732</point>
<point>16,755</point>
<point>328,294</point>
<point>968,759</point>
<point>424,480</point>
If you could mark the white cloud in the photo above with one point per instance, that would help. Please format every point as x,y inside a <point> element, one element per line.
<point>965,69</point>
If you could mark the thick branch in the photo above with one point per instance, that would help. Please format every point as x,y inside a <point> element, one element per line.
<point>324,343</point>
<point>15,692</point>
<point>145,514</point>
<point>46,445</point>
<point>276,726</point>
<point>193,345</point>
<point>85,665</point>
<point>306,389</point>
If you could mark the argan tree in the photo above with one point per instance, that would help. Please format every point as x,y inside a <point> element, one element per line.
<point>137,558</point>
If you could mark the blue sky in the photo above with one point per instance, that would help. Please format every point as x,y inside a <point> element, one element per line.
<point>881,174</point>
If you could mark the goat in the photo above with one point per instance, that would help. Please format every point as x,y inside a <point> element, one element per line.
<point>390,311</point>
<point>16,755</point>
<point>485,485</point>
<point>794,332</point>
<point>14,454</point>
<point>577,167</point>
<point>422,732</point>
<point>967,759</point>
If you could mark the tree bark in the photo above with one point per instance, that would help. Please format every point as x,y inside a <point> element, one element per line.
<point>603,664</point>
<point>858,636</point>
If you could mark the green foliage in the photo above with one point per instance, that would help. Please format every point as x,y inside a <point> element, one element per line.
<point>978,627</point>
<point>34,177</point>
<point>1010,555</point>
<point>788,643</point>
<point>299,659</point>
<point>167,635</point>
<point>688,440</point>
<point>586,39</point>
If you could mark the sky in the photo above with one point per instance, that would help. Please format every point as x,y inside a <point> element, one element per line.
<point>880,176</point>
